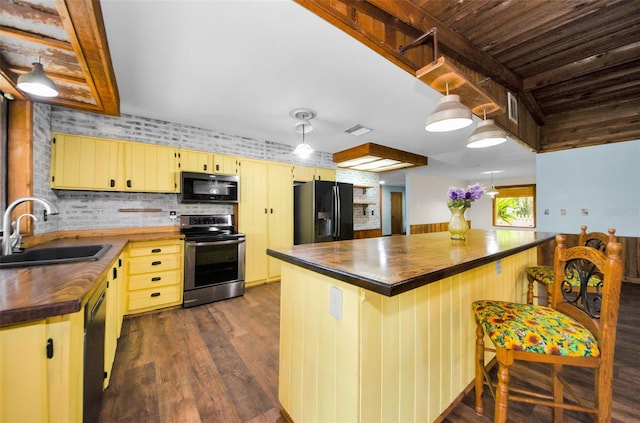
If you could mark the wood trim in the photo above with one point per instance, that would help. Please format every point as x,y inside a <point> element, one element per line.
<point>367,233</point>
<point>20,159</point>
<point>425,228</point>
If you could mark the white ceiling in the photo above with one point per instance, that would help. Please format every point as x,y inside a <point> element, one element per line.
<point>240,67</point>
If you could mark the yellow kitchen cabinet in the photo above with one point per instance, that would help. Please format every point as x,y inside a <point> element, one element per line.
<point>121,291</point>
<point>194,161</point>
<point>41,370</point>
<point>325,174</point>
<point>303,173</point>
<point>225,164</point>
<point>86,163</point>
<point>154,275</point>
<point>265,215</point>
<point>280,220</point>
<point>307,173</point>
<point>150,168</point>
<point>253,216</point>
<point>114,314</point>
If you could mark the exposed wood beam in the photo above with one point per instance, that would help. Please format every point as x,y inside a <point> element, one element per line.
<point>324,9</point>
<point>7,82</point>
<point>462,50</point>
<point>34,38</point>
<point>597,62</point>
<point>92,50</point>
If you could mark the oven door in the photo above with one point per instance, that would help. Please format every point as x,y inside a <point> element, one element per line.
<point>213,263</point>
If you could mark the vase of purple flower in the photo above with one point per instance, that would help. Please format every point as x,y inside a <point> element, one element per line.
<point>459,201</point>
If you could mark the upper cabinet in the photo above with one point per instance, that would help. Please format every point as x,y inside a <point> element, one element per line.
<point>225,164</point>
<point>86,163</point>
<point>194,161</point>
<point>150,168</point>
<point>307,173</point>
<point>99,164</point>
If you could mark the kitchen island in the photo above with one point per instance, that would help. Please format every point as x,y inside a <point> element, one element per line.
<point>380,329</point>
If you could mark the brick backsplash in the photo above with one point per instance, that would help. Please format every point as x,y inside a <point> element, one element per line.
<point>88,210</point>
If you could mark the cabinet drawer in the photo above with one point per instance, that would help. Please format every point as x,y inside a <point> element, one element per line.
<point>154,279</point>
<point>151,249</point>
<point>154,264</point>
<point>154,298</point>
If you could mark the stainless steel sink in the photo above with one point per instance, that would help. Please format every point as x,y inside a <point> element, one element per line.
<point>54,255</point>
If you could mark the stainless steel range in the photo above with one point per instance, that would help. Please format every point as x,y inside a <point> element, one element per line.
<point>214,265</point>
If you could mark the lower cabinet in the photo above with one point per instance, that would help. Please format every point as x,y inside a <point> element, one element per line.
<point>116,284</point>
<point>41,370</point>
<point>154,275</point>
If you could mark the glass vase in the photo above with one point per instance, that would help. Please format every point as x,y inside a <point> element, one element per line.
<point>458,226</point>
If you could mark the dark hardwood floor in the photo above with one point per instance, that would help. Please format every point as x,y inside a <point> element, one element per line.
<point>219,363</point>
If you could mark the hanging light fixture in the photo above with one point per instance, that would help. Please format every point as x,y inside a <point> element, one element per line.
<point>303,126</point>
<point>449,114</point>
<point>486,134</point>
<point>492,192</point>
<point>37,83</point>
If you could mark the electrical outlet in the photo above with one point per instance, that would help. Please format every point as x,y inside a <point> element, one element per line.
<point>173,215</point>
<point>335,302</point>
<point>585,212</point>
<point>498,267</point>
<point>563,212</point>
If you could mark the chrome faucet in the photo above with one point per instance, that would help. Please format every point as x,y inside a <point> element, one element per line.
<point>6,220</point>
<point>16,237</point>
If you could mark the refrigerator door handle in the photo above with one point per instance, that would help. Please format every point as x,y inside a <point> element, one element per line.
<point>334,229</point>
<point>338,208</point>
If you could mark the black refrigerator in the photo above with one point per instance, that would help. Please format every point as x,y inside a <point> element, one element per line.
<point>323,211</point>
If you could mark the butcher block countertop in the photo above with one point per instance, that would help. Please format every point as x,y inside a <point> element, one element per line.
<point>37,292</point>
<point>395,264</point>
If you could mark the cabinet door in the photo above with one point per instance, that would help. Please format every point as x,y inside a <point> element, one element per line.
<point>150,168</point>
<point>253,217</point>
<point>225,164</point>
<point>303,173</point>
<point>195,161</point>
<point>85,163</point>
<point>324,174</point>
<point>111,321</point>
<point>23,366</point>
<point>121,292</point>
<point>280,212</point>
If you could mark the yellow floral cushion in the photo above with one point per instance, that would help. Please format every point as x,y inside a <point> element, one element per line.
<point>544,275</point>
<point>536,329</point>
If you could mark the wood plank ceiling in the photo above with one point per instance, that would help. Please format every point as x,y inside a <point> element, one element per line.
<point>574,66</point>
<point>69,37</point>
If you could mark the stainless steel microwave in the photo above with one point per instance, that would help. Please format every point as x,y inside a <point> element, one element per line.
<point>208,188</point>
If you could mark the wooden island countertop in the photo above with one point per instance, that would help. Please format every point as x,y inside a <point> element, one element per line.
<point>395,264</point>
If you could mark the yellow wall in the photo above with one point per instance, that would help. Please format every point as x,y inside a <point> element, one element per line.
<point>390,359</point>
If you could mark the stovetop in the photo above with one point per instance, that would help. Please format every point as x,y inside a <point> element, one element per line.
<point>210,227</point>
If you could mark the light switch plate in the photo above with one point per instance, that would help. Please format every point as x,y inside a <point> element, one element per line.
<point>335,302</point>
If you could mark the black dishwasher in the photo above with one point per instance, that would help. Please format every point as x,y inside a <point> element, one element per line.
<point>94,319</point>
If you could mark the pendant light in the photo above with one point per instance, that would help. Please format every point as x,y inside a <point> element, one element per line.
<point>37,83</point>
<point>303,126</point>
<point>449,114</point>
<point>486,134</point>
<point>492,192</point>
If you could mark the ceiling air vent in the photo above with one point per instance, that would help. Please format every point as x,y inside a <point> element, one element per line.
<point>357,130</point>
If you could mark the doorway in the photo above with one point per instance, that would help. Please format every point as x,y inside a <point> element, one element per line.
<point>396,213</point>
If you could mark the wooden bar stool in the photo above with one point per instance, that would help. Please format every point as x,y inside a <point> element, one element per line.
<point>544,274</point>
<point>579,329</point>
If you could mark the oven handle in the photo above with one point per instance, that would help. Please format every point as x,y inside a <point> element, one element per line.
<point>206,244</point>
